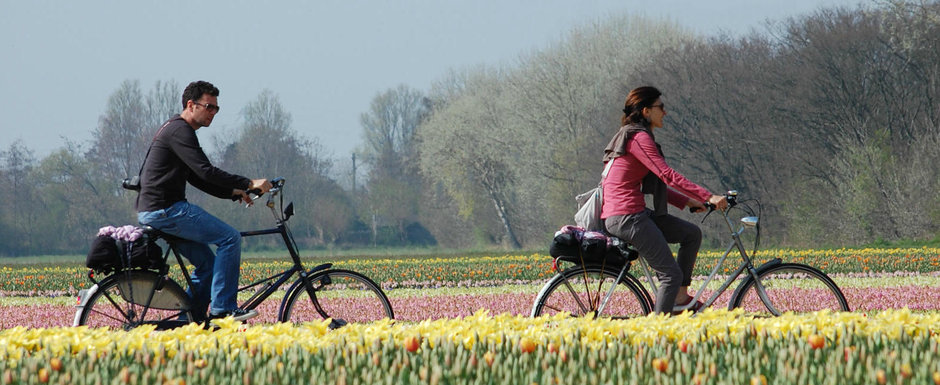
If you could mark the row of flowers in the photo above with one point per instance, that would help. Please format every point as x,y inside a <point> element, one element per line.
<point>481,327</point>
<point>715,347</point>
<point>420,305</point>
<point>488,270</point>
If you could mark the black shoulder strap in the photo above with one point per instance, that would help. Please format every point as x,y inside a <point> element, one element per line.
<point>151,147</point>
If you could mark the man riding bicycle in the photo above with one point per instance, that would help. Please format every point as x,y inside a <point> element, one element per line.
<point>175,158</point>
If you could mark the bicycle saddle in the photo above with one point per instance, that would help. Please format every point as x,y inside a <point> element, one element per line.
<point>154,233</point>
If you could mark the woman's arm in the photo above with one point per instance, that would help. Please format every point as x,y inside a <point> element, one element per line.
<point>644,149</point>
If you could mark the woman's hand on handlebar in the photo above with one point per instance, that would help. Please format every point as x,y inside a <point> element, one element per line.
<point>695,206</point>
<point>719,202</point>
<point>715,202</point>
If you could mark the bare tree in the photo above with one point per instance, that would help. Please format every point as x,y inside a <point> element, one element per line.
<point>267,146</point>
<point>19,216</point>
<point>126,128</point>
<point>394,186</point>
<point>74,206</point>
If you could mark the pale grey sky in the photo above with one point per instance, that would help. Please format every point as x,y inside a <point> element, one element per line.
<point>325,59</point>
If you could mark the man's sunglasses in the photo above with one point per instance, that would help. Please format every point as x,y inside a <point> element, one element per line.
<point>209,106</point>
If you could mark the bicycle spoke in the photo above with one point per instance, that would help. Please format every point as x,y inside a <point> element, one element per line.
<point>560,295</point>
<point>113,307</point>
<point>792,288</point>
<point>577,298</point>
<point>342,295</point>
<point>119,320</point>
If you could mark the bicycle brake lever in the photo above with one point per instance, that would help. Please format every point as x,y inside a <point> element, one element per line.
<point>709,206</point>
<point>710,211</point>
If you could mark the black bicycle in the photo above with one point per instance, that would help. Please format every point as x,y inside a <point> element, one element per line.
<point>771,289</point>
<point>128,298</point>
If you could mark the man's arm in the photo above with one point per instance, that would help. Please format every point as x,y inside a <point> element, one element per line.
<point>211,189</point>
<point>186,146</point>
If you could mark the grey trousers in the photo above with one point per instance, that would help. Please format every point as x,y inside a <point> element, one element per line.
<point>651,237</point>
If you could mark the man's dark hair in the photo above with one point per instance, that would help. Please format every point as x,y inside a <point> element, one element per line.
<point>195,90</point>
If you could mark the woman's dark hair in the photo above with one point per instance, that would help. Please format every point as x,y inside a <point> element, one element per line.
<point>638,99</point>
<point>195,90</point>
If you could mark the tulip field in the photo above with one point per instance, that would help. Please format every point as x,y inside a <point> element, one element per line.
<point>464,320</point>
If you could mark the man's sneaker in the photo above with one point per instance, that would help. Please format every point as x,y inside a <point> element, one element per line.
<point>237,314</point>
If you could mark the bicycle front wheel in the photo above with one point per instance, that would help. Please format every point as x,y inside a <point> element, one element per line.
<point>126,300</point>
<point>581,291</point>
<point>790,287</point>
<point>341,295</point>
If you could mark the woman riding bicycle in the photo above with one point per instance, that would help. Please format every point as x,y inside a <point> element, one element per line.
<point>639,168</point>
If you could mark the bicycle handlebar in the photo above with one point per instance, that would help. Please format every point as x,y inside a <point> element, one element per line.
<point>276,183</point>
<point>731,196</point>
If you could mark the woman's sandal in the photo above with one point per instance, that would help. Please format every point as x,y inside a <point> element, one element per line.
<point>695,308</point>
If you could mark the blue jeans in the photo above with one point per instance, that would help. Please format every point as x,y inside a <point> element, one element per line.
<point>215,276</point>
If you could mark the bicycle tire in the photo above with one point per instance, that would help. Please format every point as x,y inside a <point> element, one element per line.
<point>120,302</point>
<point>344,296</point>
<point>585,289</point>
<point>791,287</point>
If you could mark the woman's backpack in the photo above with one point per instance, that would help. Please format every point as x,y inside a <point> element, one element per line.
<point>590,204</point>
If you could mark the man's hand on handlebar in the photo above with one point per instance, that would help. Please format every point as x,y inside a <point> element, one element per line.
<point>256,187</point>
<point>243,196</point>
<point>260,184</point>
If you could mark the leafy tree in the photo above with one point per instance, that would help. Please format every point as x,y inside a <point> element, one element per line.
<point>566,105</point>
<point>466,147</point>
<point>536,131</point>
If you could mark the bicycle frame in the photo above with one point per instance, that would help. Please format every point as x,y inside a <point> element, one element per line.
<point>746,265</point>
<point>158,293</point>
<point>278,279</point>
<point>753,277</point>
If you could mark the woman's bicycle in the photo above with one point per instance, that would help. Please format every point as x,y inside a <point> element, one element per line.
<point>128,298</point>
<point>773,288</point>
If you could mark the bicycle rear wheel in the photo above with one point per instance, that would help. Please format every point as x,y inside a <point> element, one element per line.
<point>790,287</point>
<point>580,291</point>
<point>126,300</point>
<point>342,295</point>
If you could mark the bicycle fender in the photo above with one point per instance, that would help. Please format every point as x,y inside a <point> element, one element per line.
<point>298,285</point>
<point>545,287</point>
<point>318,268</point>
<point>83,296</point>
<point>287,295</point>
<point>748,278</point>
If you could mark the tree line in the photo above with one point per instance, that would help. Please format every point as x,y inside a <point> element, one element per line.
<point>830,119</point>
